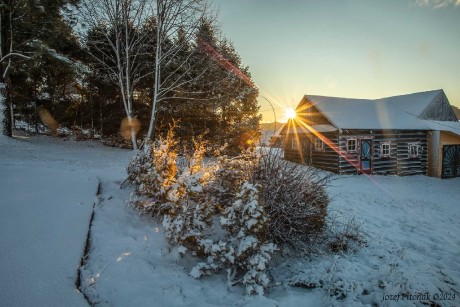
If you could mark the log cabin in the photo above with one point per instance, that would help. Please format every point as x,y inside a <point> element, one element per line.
<point>402,135</point>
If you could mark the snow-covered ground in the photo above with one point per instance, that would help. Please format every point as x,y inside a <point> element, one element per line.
<point>410,225</point>
<point>412,230</point>
<point>47,187</point>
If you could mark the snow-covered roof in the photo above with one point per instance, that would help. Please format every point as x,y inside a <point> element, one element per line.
<point>316,128</point>
<point>397,112</point>
<point>436,125</point>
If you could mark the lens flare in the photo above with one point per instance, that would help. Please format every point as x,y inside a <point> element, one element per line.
<point>48,119</point>
<point>129,126</point>
<point>290,113</point>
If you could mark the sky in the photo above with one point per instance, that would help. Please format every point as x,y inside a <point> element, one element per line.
<point>344,48</point>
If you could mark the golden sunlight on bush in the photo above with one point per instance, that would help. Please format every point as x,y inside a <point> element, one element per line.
<point>48,119</point>
<point>128,125</point>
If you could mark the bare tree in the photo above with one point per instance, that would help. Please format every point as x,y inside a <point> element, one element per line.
<point>118,51</point>
<point>174,18</point>
<point>7,54</point>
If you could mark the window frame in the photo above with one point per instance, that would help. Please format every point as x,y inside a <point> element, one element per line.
<point>417,147</point>
<point>356,145</point>
<point>383,149</point>
<point>318,142</point>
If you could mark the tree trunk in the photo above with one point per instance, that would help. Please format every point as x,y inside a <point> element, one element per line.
<point>156,89</point>
<point>35,110</point>
<point>92,117</point>
<point>157,81</point>
<point>151,132</point>
<point>133,139</point>
<point>132,131</point>
<point>10,101</point>
<point>100,118</point>
<point>5,116</point>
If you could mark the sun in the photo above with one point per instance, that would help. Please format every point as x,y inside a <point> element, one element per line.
<point>290,113</point>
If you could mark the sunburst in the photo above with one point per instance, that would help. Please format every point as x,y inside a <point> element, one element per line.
<point>290,113</point>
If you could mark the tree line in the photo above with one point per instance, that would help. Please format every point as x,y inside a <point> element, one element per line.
<point>95,64</point>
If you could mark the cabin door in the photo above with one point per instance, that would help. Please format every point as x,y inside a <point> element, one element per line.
<point>365,162</point>
<point>450,161</point>
<point>306,151</point>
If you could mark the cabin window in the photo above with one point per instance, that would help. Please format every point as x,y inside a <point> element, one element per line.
<point>294,143</point>
<point>414,150</point>
<point>351,145</point>
<point>319,144</point>
<point>385,149</point>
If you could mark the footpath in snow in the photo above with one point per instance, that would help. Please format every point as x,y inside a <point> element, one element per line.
<point>47,189</point>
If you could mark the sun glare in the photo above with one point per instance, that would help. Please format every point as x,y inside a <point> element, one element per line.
<point>290,113</point>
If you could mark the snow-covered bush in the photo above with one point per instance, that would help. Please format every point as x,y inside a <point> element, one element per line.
<point>176,193</point>
<point>232,211</point>
<point>232,173</point>
<point>188,208</point>
<point>246,222</point>
<point>294,198</point>
<point>154,172</point>
<point>245,252</point>
<point>188,197</point>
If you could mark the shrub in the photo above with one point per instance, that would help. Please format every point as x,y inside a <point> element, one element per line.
<point>259,200</point>
<point>188,208</point>
<point>343,234</point>
<point>244,253</point>
<point>231,173</point>
<point>154,172</point>
<point>294,198</point>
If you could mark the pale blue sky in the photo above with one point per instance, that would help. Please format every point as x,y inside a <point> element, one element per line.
<point>345,48</point>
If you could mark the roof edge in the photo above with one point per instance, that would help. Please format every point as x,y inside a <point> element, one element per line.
<point>305,98</point>
<point>381,98</point>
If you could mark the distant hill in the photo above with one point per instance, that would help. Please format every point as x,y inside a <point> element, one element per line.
<point>268,130</point>
<point>270,126</point>
<point>456,111</point>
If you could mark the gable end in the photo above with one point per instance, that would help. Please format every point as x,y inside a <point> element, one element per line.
<point>440,109</point>
<point>310,113</point>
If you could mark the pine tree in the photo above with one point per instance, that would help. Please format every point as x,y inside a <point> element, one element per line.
<point>221,101</point>
<point>34,36</point>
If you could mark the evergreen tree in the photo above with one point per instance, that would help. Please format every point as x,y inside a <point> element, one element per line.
<point>221,100</point>
<point>36,47</point>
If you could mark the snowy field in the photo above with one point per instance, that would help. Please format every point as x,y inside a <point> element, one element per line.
<point>49,186</point>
